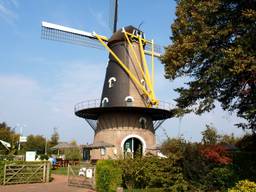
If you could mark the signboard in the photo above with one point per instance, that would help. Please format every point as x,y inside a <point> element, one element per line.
<point>23,139</point>
<point>30,155</point>
<point>89,173</point>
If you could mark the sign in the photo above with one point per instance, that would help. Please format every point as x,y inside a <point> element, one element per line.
<point>23,139</point>
<point>89,173</point>
<point>30,155</point>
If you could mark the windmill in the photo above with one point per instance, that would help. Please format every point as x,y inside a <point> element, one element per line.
<point>128,114</point>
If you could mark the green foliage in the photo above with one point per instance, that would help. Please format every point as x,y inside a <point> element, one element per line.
<point>244,186</point>
<point>247,143</point>
<point>146,190</point>
<point>219,178</point>
<point>35,143</point>
<point>195,166</point>
<point>228,139</point>
<point>60,171</point>
<point>73,153</point>
<point>210,136</point>
<point>2,163</point>
<point>108,176</point>
<point>54,139</point>
<point>214,45</point>
<point>173,146</point>
<point>151,172</point>
<point>8,135</point>
<point>244,165</point>
<point>44,157</point>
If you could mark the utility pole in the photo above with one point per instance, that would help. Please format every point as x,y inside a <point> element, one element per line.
<point>45,148</point>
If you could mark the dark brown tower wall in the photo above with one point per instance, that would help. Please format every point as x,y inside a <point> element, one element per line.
<point>123,86</point>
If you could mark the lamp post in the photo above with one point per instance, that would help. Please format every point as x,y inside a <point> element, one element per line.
<point>45,146</point>
<point>21,130</point>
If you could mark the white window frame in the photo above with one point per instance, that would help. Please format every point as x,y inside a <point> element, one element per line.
<point>111,82</point>
<point>104,101</point>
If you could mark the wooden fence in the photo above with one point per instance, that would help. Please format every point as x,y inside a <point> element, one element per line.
<point>26,173</point>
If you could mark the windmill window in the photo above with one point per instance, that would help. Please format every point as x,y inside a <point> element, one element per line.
<point>143,122</point>
<point>143,82</point>
<point>104,102</point>
<point>129,100</point>
<point>111,82</point>
<point>103,151</point>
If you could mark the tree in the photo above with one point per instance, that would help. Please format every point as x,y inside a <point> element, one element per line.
<point>8,134</point>
<point>228,139</point>
<point>173,146</point>
<point>73,153</point>
<point>210,135</point>
<point>35,143</point>
<point>214,45</point>
<point>54,138</point>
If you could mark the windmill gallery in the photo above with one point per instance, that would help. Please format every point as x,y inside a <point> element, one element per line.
<point>128,114</point>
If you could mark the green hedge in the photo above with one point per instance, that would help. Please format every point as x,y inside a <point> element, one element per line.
<point>1,172</point>
<point>146,190</point>
<point>108,176</point>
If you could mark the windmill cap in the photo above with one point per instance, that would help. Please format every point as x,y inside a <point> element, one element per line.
<point>119,35</point>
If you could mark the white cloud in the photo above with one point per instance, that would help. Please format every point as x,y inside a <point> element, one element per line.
<point>7,12</point>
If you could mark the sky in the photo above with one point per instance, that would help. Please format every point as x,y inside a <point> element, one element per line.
<point>42,80</point>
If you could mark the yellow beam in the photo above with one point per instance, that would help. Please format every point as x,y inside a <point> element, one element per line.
<point>146,67</point>
<point>134,79</point>
<point>136,58</point>
<point>152,65</point>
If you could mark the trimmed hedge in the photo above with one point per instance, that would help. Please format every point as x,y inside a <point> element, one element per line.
<point>108,176</point>
<point>1,172</point>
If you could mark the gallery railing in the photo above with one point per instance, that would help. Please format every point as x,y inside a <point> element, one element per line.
<point>95,103</point>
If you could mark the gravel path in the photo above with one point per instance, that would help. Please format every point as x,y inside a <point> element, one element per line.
<point>59,184</point>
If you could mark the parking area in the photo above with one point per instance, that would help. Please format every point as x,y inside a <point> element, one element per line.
<point>59,184</point>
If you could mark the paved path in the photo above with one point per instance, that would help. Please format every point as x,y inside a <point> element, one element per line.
<point>59,184</point>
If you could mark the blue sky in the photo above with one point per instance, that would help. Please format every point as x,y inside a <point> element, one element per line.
<point>40,80</point>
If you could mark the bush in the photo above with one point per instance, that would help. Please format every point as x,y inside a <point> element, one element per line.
<point>244,186</point>
<point>44,157</point>
<point>73,154</point>
<point>220,178</point>
<point>108,176</point>
<point>1,172</point>
<point>151,172</point>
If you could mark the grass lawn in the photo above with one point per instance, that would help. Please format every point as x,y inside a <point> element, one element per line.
<point>60,171</point>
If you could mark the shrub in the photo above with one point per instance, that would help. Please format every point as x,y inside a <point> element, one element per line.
<point>217,154</point>
<point>44,157</point>
<point>73,153</point>
<point>1,171</point>
<point>244,186</point>
<point>244,164</point>
<point>219,178</point>
<point>108,176</point>
<point>151,172</point>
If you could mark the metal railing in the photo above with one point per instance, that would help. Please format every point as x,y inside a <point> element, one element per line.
<point>87,104</point>
<point>95,103</point>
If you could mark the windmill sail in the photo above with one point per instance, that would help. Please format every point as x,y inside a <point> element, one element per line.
<point>61,33</point>
<point>113,15</point>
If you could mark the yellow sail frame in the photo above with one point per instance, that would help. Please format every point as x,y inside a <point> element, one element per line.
<point>148,90</point>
